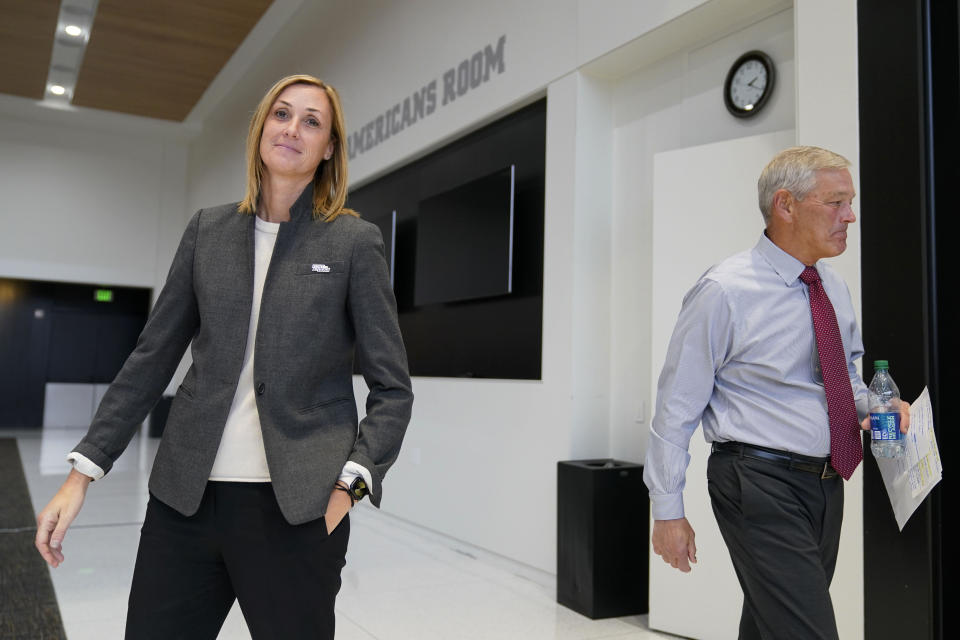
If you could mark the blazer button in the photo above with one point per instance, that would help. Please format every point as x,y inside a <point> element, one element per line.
<point>261,388</point>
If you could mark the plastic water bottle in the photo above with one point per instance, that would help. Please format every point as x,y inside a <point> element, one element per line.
<point>886,441</point>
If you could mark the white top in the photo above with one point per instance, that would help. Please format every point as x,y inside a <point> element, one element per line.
<point>241,457</point>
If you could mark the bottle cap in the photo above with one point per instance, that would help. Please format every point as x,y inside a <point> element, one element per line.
<point>880,364</point>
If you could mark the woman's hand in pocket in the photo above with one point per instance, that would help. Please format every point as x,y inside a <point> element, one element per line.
<point>337,508</point>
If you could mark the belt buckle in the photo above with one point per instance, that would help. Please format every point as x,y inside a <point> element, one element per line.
<point>827,472</point>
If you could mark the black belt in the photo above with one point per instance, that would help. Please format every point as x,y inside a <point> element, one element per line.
<point>819,466</point>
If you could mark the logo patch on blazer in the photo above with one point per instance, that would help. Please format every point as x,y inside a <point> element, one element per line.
<point>316,267</point>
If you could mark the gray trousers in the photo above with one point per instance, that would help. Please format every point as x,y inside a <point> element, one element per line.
<point>782,528</point>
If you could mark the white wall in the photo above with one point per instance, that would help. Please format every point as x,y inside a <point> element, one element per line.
<point>495,438</point>
<point>380,52</point>
<point>828,115</point>
<point>89,197</point>
<point>674,103</point>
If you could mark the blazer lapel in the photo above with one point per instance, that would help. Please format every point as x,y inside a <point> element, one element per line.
<point>290,235</point>
<point>229,283</point>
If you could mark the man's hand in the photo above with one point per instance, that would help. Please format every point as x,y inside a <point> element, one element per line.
<point>338,507</point>
<point>56,517</point>
<point>673,541</point>
<point>904,418</point>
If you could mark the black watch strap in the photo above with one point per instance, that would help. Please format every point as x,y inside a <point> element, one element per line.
<point>346,490</point>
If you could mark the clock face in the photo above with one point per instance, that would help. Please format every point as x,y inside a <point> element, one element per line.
<point>748,85</point>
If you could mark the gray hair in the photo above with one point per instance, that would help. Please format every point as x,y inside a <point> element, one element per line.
<point>795,170</point>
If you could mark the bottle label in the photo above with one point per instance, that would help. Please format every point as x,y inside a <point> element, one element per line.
<point>885,426</point>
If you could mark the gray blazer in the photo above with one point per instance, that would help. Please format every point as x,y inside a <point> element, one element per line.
<point>327,299</point>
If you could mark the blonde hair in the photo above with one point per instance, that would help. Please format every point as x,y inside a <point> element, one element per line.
<point>794,169</point>
<point>330,178</point>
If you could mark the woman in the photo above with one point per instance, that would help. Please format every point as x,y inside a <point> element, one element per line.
<point>262,455</point>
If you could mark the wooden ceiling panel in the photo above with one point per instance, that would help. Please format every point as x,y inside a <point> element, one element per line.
<point>155,58</point>
<point>26,42</point>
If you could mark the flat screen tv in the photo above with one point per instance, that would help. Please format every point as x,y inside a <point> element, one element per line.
<point>464,245</point>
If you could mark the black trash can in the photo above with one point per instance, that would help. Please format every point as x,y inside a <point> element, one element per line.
<point>603,538</point>
<point>158,417</point>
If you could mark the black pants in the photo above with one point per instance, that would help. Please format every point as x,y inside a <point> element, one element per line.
<point>190,569</point>
<point>782,528</point>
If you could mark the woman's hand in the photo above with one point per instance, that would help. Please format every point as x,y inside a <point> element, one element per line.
<point>338,507</point>
<point>56,517</point>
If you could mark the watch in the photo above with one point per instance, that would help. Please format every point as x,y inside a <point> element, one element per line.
<point>749,84</point>
<point>358,489</point>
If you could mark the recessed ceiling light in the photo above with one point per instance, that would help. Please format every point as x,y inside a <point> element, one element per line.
<point>57,90</point>
<point>73,30</point>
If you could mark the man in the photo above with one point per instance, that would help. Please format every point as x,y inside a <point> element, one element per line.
<point>763,352</point>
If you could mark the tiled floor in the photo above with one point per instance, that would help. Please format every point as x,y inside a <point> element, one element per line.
<point>402,582</point>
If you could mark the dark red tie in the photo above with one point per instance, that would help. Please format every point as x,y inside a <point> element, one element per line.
<point>846,447</point>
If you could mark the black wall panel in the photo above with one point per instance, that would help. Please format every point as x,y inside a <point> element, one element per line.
<point>908,82</point>
<point>58,332</point>
<point>73,346</point>
<point>497,337</point>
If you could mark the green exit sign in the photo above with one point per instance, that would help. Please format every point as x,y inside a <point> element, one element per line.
<point>103,295</point>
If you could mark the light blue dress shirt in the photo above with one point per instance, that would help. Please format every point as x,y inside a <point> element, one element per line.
<point>743,360</point>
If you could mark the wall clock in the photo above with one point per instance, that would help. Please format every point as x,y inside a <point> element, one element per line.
<point>749,84</point>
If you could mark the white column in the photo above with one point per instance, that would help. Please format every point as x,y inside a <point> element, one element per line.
<point>828,116</point>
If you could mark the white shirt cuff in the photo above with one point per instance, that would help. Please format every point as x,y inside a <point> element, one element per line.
<point>352,471</point>
<point>84,465</point>
<point>668,506</point>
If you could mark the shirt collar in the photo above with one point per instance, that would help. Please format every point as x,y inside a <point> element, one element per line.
<point>786,266</point>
